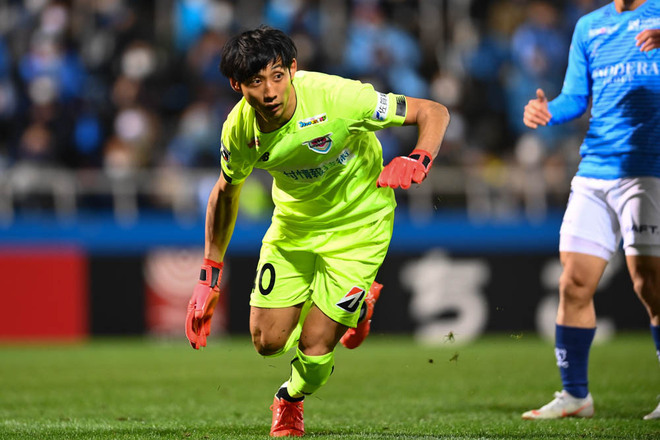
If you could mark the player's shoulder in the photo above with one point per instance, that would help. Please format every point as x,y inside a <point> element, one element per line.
<point>333,91</point>
<point>318,82</point>
<point>239,121</point>
<point>595,22</point>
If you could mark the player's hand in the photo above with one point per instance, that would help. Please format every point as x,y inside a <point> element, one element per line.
<point>648,39</point>
<point>536,111</point>
<point>404,170</point>
<point>202,304</point>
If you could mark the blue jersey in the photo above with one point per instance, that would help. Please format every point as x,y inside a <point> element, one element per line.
<point>605,64</point>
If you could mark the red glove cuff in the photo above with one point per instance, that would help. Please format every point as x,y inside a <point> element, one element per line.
<point>211,272</point>
<point>422,156</point>
<point>212,263</point>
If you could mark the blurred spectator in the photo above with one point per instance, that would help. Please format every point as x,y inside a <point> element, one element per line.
<point>36,145</point>
<point>196,138</point>
<point>50,72</point>
<point>375,48</point>
<point>124,86</point>
<point>538,52</point>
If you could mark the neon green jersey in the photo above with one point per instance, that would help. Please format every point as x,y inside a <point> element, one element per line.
<point>326,160</point>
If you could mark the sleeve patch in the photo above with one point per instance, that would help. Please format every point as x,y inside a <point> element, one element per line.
<point>380,113</point>
<point>224,152</point>
<point>401,106</point>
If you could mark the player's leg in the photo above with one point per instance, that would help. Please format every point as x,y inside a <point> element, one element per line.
<point>310,370</point>
<point>639,203</point>
<point>645,274</point>
<point>587,242</point>
<point>272,329</point>
<point>314,360</point>
<point>347,264</point>
<point>279,299</point>
<point>574,332</point>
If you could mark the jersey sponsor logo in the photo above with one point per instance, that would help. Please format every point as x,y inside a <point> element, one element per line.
<point>352,300</point>
<point>318,119</point>
<point>605,30</point>
<point>254,142</point>
<point>318,172</point>
<point>644,229</point>
<point>321,144</point>
<point>643,23</point>
<point>380,113</point>
<point>624,72</point>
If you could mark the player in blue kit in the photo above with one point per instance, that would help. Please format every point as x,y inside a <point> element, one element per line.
<point>616,193</point>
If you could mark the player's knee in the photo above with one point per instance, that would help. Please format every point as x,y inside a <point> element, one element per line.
<point>647,286</point>
<point>574,289</point>
<point>266,346</point>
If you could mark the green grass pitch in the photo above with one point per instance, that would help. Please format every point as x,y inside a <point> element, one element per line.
<point>390,388</point>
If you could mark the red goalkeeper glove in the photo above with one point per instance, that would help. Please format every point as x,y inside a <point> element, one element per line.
<point>404,170</point>
<point>202,304</point>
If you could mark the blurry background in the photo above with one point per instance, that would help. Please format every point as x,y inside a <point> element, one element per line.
<point>110,119</point>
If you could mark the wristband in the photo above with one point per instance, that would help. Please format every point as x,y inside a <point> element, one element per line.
<point>215,269</point>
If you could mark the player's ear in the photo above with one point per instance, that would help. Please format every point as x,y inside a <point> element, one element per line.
<point>293,68</point>
<point>235,85</point>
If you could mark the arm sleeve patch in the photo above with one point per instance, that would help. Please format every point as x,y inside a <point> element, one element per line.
<point>400,106</point>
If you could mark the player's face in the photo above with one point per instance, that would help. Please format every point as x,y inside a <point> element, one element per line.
<point>270,92</point>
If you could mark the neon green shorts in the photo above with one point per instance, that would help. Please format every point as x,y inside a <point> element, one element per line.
<point>334,269</point>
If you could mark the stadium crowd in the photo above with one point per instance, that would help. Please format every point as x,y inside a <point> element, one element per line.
<point>122,86</point>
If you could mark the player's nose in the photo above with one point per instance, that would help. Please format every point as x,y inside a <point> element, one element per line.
<point>270,93</point>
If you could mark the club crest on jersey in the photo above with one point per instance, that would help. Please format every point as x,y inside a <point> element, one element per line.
<point>318,119</point>
<point>352,300</point>
<point>321,144</point>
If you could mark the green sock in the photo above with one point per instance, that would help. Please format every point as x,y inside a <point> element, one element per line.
<point>309,373</point>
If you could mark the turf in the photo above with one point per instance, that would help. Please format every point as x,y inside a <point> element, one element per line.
<point>390,388</point>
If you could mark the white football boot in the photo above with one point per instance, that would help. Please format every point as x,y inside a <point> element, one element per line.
<point>655,414</point>
<point>563,405</point>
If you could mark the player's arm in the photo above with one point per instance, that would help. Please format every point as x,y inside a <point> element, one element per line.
<point>563,108</point>
<point>432,120</point>
<point>221,213</point>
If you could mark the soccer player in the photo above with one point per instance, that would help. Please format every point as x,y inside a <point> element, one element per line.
<point>334,206</point>
<point>613,60</point>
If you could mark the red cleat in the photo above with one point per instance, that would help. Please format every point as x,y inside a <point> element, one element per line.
<point>355,336</point>
<point>287,419</point>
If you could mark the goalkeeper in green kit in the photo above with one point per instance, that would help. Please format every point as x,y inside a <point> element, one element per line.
<point>334,207</point>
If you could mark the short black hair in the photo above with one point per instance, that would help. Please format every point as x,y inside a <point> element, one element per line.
<point>244,55</point>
